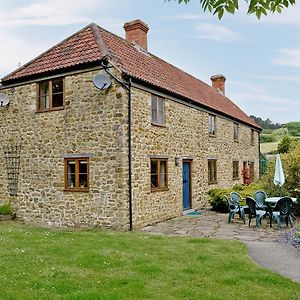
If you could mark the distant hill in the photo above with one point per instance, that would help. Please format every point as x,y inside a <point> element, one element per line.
<point>266,124</point>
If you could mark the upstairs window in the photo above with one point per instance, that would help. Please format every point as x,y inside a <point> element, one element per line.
<point>235,170</point>
<point>50,95</point>
<point>76,174</point>
<point>159,175</point>
<point>235,132</point>
<point>212,124</point>
<point>212,171</point>
<point>158,110</point>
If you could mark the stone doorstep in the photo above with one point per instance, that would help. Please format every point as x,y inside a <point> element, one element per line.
<point>7,217</point>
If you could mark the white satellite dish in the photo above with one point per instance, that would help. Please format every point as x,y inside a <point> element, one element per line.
<point>101,82</point>
<point>4,100</point>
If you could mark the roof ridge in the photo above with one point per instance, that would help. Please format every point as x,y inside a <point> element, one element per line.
<point>47,51</point>
<point>99,40</point>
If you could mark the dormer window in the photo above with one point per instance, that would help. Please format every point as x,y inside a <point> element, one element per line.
<point>50,95</point>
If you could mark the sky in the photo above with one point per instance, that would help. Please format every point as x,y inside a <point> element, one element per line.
<point>259,58</point>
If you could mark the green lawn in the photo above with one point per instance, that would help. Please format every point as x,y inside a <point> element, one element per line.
<point>38,263</point>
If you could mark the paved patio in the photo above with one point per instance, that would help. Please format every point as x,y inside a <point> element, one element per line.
<point>212,224</point>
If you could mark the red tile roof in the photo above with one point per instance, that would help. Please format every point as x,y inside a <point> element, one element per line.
<point>92,43</point>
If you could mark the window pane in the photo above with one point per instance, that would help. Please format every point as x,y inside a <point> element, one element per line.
<point>154,109</point>
<point>154,181</point>
<point>83,180</point>
<point>57,86</point>
<point>71,174</point>
<point>83,166</point>
<point>211,124</point>
<point>44,95</point>
<point>154,167</point>
<point>163,175</point>
<point>57,100</point>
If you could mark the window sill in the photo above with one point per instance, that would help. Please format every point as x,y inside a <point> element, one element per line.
<point>49,110</point>
<point>83,190</point>
<point>236,178</point>
<point>159,125</point>
<point>212,135</point>
<point>159,190</point>
<point>212,182</point>
<point>236,141</point>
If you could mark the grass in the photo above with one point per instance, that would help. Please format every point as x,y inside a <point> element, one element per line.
<point>268,147</point>
<point>54,264</point>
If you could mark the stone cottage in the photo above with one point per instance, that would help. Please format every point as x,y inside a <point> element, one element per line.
<point>100,132</point>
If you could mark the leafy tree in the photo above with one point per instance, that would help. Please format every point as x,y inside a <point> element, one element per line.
<point>266,124</point>
<point>284,145</point>
<point>257,7</point>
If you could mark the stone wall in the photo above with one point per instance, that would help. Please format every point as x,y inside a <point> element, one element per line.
<point>185,135</point>
<point>93,123</point>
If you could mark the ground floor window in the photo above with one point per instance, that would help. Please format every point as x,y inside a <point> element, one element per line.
<point>77,174</point>
<point>235,170</point>
<point>159,174</point>
<point>212,171</point>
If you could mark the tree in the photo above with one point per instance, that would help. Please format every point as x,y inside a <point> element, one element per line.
<point>257,7</point>
<point>284,145</point>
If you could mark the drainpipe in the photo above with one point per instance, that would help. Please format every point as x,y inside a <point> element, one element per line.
<point>127,86</point>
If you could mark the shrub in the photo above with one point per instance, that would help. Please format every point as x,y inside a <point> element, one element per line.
<point>6,209</point>
<point>267,138</point>
<point>218,201</point>
<point>284,145</point>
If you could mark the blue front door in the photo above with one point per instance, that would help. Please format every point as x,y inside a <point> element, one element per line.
<point>186,184</point>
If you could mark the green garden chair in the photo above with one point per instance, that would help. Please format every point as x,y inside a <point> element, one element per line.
<point>283,211</point>
<point>260,197</point>
<point>254,211</point>
<point>235,207</point>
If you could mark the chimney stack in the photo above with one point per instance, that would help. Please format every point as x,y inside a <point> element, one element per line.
<point>218,82</point>
<point>136,32</point>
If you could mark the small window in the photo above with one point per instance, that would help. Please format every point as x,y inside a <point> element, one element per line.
<point>77,174</point>
<point>212,171</point>
<point>252,137</point>
<point>235,172</point>
<point>235,132</point>
<point>158,110</point>
<point>251,171</point>
<point>159,174</point>
<point>51,95</point>
<point>212,124</point>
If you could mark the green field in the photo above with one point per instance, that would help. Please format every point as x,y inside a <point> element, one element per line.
<point>54,264</point>
<point>267,147</point>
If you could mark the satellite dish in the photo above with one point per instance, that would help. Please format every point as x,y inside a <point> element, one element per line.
<point>101,82</point>
<point>4,100</point>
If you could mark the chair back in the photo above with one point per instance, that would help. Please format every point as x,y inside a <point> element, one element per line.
<point>284,205</point>
<point>235,197</point>
<point>231,205</point>
<point>260,197</point>
<point>252,205</point>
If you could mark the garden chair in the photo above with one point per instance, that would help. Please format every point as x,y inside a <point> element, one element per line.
<point>283,211</point>
<point>236,197</point>
<point>235,207</point>
<point>260,197</point>
<point>254,211</point>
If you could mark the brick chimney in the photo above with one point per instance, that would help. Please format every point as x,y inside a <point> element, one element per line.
<point>136,32</point>
<point>218,82</point>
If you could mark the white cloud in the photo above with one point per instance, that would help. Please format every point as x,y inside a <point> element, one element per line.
<point>54,12</point>
<point>288,57</point>
<point>215,32</point>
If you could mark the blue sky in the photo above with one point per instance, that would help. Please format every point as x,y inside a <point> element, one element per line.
<point>260,59</point>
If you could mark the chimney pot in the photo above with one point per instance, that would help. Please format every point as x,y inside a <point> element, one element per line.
<point>136,32</point>
<point>218,82</point>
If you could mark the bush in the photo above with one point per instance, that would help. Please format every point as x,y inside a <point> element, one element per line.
<point>267,138</point>
<point>284,145</point>
<point>217,196</point>
<point>6,209</point>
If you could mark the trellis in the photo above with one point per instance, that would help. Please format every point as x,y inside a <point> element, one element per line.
<point>12,161</point>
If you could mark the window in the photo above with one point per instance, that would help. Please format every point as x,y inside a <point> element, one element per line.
<point>77,174</point>
<point>212,171</point>
<point>212,124</point>
<point>235,170</point>
<point>251,171</point>
<point>158,110</point>
<point>159,174</point>
<point>252,137</point>
<point>51,95</point>
<point>235,132</point>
